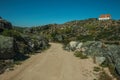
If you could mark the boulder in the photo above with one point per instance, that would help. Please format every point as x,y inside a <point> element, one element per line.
<point>6,47</point>
<point>93,48</point>
<point>79,46</point>
<point>100,60</point>
<point>73,45</point>
<point>113,52</point>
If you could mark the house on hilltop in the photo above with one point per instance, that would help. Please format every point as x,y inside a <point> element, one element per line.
<point>105,17</point>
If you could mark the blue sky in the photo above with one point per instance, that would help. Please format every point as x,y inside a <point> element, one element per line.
<point>40,12</point>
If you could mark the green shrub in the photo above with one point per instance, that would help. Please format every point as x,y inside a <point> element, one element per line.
<point>12,33</point>
<point>79,54</point>
<point>96,69</point>
<point>85,38</point>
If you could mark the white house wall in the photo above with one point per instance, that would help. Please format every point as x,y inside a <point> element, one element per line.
<point>104,18</point>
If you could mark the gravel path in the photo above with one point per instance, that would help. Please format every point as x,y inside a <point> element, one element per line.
<point>52,64</point>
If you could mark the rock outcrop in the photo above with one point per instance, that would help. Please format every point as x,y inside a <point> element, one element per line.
<point>74,45</point>
<point>14,49</point>
<point>10,47</point>
<point>33,43</point>
<point>4,24</point>
<point>101,52</point>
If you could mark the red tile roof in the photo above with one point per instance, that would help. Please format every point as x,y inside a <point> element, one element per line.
<point>105,16</point>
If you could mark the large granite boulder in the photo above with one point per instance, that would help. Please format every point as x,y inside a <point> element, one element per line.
<point>78,48</point>
<point>72,45</point>
<point>6,47</point>
<point>100,60</point>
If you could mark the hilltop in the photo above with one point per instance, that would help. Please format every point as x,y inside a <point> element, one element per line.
<point>82,30</point>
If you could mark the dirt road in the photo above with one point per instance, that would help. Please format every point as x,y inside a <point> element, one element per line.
<point>53,64</point>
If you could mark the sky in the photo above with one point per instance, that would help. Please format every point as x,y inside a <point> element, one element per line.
<point>29,13</point>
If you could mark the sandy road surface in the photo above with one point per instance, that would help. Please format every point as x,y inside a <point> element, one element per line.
<point>53,64</point>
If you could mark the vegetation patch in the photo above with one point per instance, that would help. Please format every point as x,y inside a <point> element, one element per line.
<point>111,69</point>
<point>104,76</point>
<point>81,55</point>
<point>96,69</point>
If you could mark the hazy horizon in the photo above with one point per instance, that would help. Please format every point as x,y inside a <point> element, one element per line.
<point>29,13</point>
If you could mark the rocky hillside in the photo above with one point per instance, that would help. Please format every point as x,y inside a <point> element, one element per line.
<point>106,55</point>
<point>99,39</point>
<point>82,30</point>
<point>17,46</point>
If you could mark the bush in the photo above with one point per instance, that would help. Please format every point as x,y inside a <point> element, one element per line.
<point>79,54</point>
<point>85,38</point>
<point>96,69</point>
<point>6,47</point>
<point>12,33</point>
